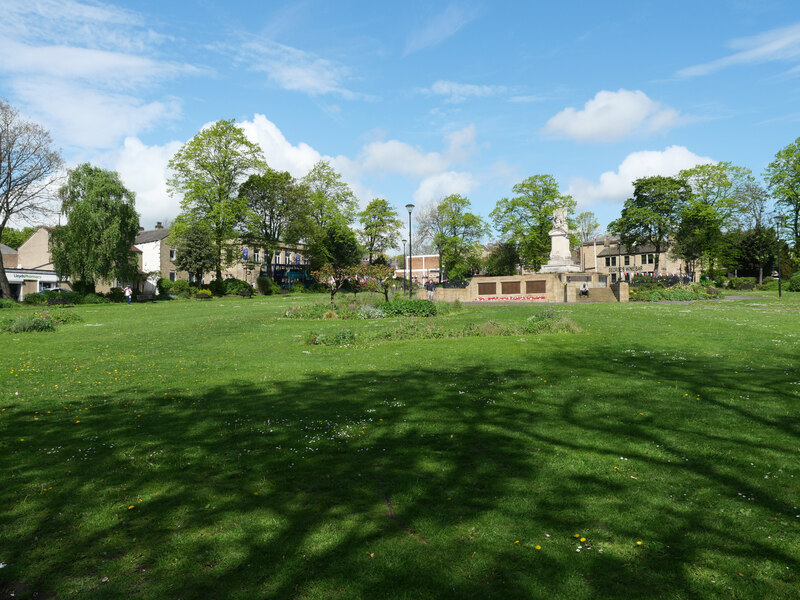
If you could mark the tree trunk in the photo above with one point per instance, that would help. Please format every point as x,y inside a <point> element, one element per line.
<point>333,293</point>
<point>5,287</point>
<point>760,274</point>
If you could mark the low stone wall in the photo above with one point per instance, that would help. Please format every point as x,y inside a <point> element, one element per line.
<point>536,288</point>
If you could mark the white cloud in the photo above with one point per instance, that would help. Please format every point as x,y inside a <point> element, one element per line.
<point>293,69</point>
<point>610,116</point>
<point>458,92</point>
<point>281,154</point>
<point>439,28</point>
<point>781,44</point>
<point>143,169</point>
<point>443,184</point>
<point>90,118</point>
<point>616,186</point>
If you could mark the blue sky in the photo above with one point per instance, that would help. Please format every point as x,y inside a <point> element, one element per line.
<point>411,101</point>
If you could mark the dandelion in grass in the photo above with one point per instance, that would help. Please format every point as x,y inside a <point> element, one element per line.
<point>639,543</point>
<point>131,507</point>
<point>538,547</point>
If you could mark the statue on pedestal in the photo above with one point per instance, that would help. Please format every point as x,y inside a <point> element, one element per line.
<point>560,256</point>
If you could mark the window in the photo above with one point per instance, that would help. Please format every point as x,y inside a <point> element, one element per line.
<point>256,255</point>
<point>608,261</point>
<point>229,255</point>
<point>172,275</point>
<point>627,260</point>
<point>191,277</point>
<point>288,257</point>
<point>613,261</point>
<point>172,253</point>
<point>647,259</point>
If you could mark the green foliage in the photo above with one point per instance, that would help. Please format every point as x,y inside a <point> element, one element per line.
<point>94,299</point>
<point>276,210</point>
<point>102,224</point>
<point>207,172</point>
<point>794,283</point>
<point>237,286</point>
<point>218,287</point>
<point>164,285</point>
<point>408,308</point>
<point>588,225</point>
<point>655,292</point>
<point>331,199</point>
<point>116,294</point>
<point>380,227</point>
<point>181,287</point>
<point>458,240</point>
<point>194,247</point>
<point>61,317</point>
<point>203,293</point>
<point>32,323</point>
<point>14,238</point>
<point>335,245</point>
<point>549,321</point>
<point>526,219</point>
<point>742,283</point>
<point>267,286</point>
<point>504,260</point>
<point>651,216</point>
<point>8,303</point>
<point>783,179</point>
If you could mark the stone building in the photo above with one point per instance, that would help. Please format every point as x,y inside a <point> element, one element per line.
<point>608,257</point>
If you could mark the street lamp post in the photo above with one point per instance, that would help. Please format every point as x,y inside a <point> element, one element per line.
<point>778,234</point>
<point>409,208</point>
<point>404,266</point>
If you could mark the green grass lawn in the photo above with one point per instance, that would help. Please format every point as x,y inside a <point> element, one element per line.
<point>205,450</point>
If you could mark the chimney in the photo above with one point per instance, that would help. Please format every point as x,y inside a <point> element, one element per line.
<point>159,225</point>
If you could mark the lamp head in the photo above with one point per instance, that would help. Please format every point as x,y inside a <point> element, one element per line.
<point>409,208</point>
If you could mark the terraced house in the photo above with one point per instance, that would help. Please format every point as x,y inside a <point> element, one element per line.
<point>608,256</point>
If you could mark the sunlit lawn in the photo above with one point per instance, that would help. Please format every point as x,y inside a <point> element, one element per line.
<point>205,450</point>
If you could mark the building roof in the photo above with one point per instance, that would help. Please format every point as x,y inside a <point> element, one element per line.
<point>615,250</point>
<point>7,249</point>
<point>152,235</point>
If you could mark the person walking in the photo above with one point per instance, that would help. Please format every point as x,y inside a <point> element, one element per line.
<point>128,293</point>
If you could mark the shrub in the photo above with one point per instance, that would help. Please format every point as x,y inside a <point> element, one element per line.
<point>297,288</point>
<point>267,286</point>
<point>94,299</point>
<point>164,286</point>
<point>742,283</point>
<point>8,303</point>
<point>181,287</point>
<point>204,293</point>
<point>794,283</point>
<point>309,311</point>
<point>408,308</point>
<point>237,286</point>
<point>31,323</point>
<point>60,317</point>
<point>217,287</point>
<point>116,294</point>
<point>36,299</point>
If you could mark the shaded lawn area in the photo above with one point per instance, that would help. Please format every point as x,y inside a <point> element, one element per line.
<point>195,450</point>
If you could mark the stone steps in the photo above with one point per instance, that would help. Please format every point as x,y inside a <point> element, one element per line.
<point>601,294</point>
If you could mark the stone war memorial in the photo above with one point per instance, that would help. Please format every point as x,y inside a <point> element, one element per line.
<point>560,280</point>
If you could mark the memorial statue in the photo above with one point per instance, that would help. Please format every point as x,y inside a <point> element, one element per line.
<point>560,256</point>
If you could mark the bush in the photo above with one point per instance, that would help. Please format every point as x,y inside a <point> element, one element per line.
<point>297,288</point>
<point>164,286</point>
<point>94,299</point>
<point>32,323</point>
<point>742,283</point>
<point>267,286</point>
<point>36,299</point>
<point>181,287</point>
<point>408,308</point>
<point>217,287</point>
<point>203,294</point>
<point>60,317</point>
<point>8,303</point>
<point>235,286</point>
<point>794,283</point>
<point>308,311</point>
<point>116,294</point>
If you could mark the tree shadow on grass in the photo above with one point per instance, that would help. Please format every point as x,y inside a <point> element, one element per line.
<point>407,484</point>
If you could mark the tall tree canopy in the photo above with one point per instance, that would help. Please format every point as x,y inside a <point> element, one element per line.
<point>651,216</point>
<point>588,226</point>
<point>526,219</point>
<point>102,223</point>
<point>207,171</point>
<point>458,241</point>
<point>330,197</point>
<point>28,164</point>
<point>334,245</point>
<point>276,206</point>
<point>783,179</point>
<point>380,227</point>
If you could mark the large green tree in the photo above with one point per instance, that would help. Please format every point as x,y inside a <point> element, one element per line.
<point>380,227</point>
<point>28,164</point>
<point>588,226</point>
<point>698,234</point>
<point>14,238</point>
<point>276,206</point>
<point>503,260</point>
<point>102,223</point>
<point>207,172</point>
<point>458,241</point>
<point>652,215</point>
<point>783,179</point>
<point>334,245</point>
<point>526,219</point>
